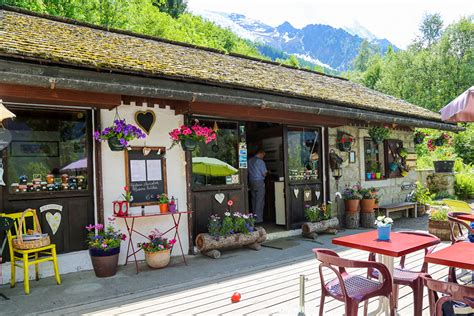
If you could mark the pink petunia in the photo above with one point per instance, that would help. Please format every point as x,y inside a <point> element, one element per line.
<point>99,226</point>
<point>90,227</point>
<point>187,131</point>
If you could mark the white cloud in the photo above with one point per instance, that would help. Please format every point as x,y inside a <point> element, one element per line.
<point>396,20</point>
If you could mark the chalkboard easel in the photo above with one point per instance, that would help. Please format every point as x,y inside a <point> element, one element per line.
<point>145,175</point>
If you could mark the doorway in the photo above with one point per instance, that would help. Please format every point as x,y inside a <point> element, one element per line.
<point>269,138</point>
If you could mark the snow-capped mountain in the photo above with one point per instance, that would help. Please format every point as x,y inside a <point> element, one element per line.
<point>318,44</point>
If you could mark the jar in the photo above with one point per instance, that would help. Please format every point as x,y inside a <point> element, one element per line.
<point>64,178</point>
<point>44,185</point>
<point>23,179</point>
<point>15,187</point>
<point>50,187</point>
<point>50,179</point>
<point>80,180</point>
<point>29,186</point>
<point>64,186</point>
<point>23,187</point>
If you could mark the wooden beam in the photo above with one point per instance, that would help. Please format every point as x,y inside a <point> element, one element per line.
<point>248,113</point>
<point>41,95</point>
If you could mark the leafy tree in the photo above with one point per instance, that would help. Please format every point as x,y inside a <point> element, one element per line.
<point>172,7</point>
<point>431,29</point>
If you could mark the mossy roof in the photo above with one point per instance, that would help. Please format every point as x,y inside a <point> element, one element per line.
<point>48,39</point>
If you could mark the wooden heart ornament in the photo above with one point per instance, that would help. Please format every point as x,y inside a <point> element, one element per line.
<point>219,197</point>
<point>296,192</point>
<point>54,220</point>
<point>145,120</point>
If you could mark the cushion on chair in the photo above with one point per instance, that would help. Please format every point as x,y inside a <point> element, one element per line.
<point>357,286</point>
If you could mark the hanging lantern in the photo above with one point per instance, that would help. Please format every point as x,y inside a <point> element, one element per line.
<point>5,113</point>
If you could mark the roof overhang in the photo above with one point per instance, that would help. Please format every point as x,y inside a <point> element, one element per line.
<point>109,84</point>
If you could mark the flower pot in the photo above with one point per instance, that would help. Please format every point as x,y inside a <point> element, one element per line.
<point>367,205</point>
<point>378,175</point>
<point>172,208</point>
<point>369,176</point>
<point>351,206</point>
<point>105,263</point>
<point>383,232</point>
<point>393,166</point>
<point>188,144</point>
<point>441,229</point>
<point>120,208</point>
<point>114,144</point>
<point>372,175</point>
<point>158,259</point>
<point>444,166</point>
<point>164,208</point>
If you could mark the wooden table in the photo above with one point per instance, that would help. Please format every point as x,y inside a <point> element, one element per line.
<point>466,217</point>
<point>460,255</point>
<point>399,245</point>
<point>174,230</point>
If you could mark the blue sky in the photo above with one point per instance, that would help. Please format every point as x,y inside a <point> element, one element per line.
<point>395,20</point>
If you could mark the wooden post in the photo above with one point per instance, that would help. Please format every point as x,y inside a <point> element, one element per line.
<point>367,220</point>
<point>189,200</point>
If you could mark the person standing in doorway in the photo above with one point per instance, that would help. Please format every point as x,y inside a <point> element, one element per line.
<point>257,173</point>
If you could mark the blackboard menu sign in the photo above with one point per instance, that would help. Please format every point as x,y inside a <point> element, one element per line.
<point>145,173</point>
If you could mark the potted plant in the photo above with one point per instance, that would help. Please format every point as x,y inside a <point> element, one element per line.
<point>423,197</point>
<point>190,136</point>
<point>104,248</point>
<point>379,134</point>
<point>352,197</point>
<point>163,201</point>
<point>419,137</point>
<point>121,207</point>
<point>319,219</point>
<point>384,226</point>
<point>119,135</point>
<point>157,250</point>
<point>367,202</point>
<point>444,159</point>
<point>344,141</point>
<point>438,223</point>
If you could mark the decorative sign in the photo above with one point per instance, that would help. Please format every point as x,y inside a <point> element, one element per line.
<point>307,195</point>
<point>408,186</point>
<point>296,191</point>
<point>242,155</point>
<point>54,220</point>
<point>5,138</point>
<point>219,197</point>
<point>318,194</point>
<point>145,174</point>
<point>145,120</point>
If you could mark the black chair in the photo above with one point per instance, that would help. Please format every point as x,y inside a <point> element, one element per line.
<point>5,224</point>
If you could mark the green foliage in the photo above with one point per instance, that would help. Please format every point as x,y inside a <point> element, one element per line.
<point>422,194</point>
<point>464,144</point>
<point>316,214</point>
<point>162,18</point>
<point>379,134</point>
<point>464,184</point>
<point>431,29</point>
<point>439,214</point>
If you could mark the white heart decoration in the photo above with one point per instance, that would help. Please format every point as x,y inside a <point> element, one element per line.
<point>307,194</point>
<point>54,221</point>
<point>219,197</point>
<point>317,194</point>
<point>296,192</point>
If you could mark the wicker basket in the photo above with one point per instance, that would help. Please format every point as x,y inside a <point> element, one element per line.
<point>19,243</point>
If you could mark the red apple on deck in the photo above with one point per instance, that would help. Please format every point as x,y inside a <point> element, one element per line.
<point>235,297</point>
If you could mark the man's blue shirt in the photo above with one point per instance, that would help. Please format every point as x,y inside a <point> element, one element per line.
<point>257,169</point>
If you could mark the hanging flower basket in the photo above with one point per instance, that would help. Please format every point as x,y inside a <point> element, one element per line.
<point>379,134</point>
<point>190,136</point>
<point>119,134</point>
<point>344,141</point>
<point>419,137</point>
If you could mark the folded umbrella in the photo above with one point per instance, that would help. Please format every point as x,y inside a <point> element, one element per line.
<point>460,109</point>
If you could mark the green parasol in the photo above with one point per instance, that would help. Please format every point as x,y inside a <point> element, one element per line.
<point>212,167</point>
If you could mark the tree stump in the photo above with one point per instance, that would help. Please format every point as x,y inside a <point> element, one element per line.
<point>352,220</point>
<point>367,220</point>
<point>211,246</point>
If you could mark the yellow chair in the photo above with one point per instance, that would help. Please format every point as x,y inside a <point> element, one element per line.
<point>458,206</point>
<point>24,258</point>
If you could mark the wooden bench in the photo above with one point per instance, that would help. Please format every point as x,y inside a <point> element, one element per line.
<point>403,206</point>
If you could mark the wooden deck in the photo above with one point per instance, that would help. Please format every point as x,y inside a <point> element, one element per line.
<point>274,291</point>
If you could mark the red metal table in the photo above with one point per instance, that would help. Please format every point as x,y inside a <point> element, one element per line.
<point>466,217</point>
<point>460,255</point>
<point>399,245</point>
<point>176,216</point>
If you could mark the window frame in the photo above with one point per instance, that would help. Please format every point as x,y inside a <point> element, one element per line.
<point>380,160</point>
<point>389,158</point>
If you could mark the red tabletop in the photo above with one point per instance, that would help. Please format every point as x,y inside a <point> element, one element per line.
<point>138,215</point>
<point>460,255</point>
<point>467,217</point>
<point>399,244</point>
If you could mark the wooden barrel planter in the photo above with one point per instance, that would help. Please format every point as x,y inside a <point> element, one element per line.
<point>211,246</point>
<point>440,229</point>
<point>311,230</point>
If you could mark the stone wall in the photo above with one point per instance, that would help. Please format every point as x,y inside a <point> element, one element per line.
<point>353,173</point>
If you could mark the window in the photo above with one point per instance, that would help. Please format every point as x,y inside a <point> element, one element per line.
<point>374,162</point>
<point>304,147</point>
<point>217,163</point>
<point>395,160</point>
<point>48,151</point>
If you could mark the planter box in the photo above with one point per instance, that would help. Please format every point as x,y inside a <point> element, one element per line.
<point>440,229</point>
<point>444,166</point>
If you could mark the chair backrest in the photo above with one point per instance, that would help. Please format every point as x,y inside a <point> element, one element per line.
<point>16,217</point>
<point>452,291</point>
<point>459,229</point>
<point>458,206</point>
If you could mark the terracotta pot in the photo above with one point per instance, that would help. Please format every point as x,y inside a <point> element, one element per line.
<point>367,205</point>
<point>163,208</point>
<point>440,229</point>
<point>159,259</point>
<point>351,206</point>
<point>105,263</point>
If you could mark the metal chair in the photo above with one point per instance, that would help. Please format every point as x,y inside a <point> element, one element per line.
<point>451,291</point>
<point>459,232</point>
<point>5,225</point>
<point>350,288</point>
<point>404,276</point>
